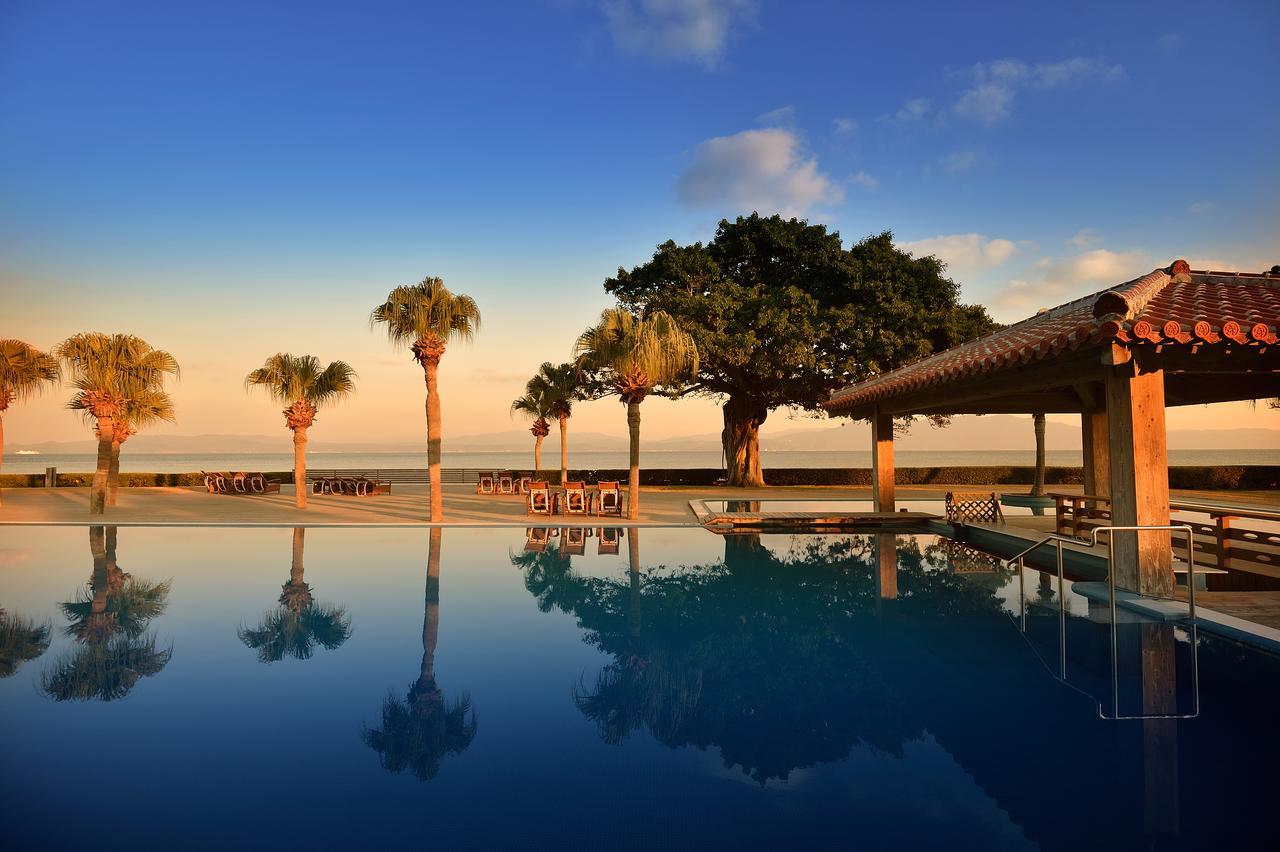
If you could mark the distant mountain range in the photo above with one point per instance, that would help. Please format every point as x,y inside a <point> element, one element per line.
<point>1002,432</point>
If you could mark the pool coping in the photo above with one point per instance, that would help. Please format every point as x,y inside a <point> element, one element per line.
<point>719,520</point>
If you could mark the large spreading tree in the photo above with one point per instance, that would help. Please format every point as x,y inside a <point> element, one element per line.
<point>783,314</point>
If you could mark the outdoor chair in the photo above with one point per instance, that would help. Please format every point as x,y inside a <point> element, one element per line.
<point>506,483</point>
<point>610,540</point>
<point>259,484</point>
<point>215,483</point>
<point>536,539</point>
<point>575,498</point>
<point>573,540</point>
<point>523,481</point>
<point>485,482</point>
<point>973,507</point>
<point>538,501</point>
<point>609,499</point>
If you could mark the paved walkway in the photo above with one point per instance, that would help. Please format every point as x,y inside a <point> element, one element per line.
<point>661,506</point>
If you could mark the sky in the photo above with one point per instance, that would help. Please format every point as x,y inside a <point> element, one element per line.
<point>229,180</point>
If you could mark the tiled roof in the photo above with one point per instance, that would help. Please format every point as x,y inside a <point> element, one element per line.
<point>1165,306</point>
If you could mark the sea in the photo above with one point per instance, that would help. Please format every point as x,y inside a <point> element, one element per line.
<point>499,460</point>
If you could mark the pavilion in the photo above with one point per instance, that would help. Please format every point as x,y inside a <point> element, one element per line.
<point>1117,358</point>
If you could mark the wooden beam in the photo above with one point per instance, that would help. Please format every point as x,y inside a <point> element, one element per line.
<point>882,478</point>
<point>1139,474</point>
<point>1060,402</point>
<point>1093,440</point>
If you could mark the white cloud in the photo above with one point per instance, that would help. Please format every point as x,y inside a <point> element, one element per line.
<point>994,86</point>
<point>959,161</point>
<point>1053,281</point>
<point>864,179</point>
<point>682,30</point>
<point>780,117</point>
<point>1084,238</point>
<point>911,111</point>
<point>762,170</point>
<point>845,126</point>
<point>964,253</point>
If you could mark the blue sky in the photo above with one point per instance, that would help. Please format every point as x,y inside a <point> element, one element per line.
<point>232,179</point>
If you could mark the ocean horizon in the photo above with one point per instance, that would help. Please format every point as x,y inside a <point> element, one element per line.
<point>514,460</point>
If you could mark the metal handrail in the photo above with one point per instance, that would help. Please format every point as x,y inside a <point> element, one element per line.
<point>1058,541</point>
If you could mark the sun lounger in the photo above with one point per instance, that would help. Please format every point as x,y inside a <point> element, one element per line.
<point>536,539</point>
<point>485,482</point>
<point>523,481</point>
<point>575,499</point>
<point>215,483</point>
<point>538,501</point>
<point>610,539</point>
<point>608,499</point>
<point>573,540</point>
<point>506,482</point>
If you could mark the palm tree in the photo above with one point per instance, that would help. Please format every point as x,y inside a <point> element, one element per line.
<point>633,356</point>
<point>299,623</point>
<point>561,386</point>
<point>108,372</point>
<point>534,406</point>
<point>418,732</point>
<point>24,370</point>
<point>298,382</point>
<point>109,620</point>
<point>426,316</point>
<point>144,407</point>
<point>21,640</point>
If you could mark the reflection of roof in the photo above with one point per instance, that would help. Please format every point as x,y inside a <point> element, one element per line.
<point>1173,306</point>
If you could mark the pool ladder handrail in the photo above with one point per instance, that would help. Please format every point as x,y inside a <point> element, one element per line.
<point>1058,541</point>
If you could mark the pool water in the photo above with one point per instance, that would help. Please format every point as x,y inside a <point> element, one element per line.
<point>169,688</point>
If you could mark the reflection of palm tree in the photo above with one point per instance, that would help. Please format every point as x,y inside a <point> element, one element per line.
<point>21,640</point>
<point>110,621</point>
<point>299,623</point>
<point>418,732</point>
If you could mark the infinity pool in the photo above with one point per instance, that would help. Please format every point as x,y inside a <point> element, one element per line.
<point>580,689</point>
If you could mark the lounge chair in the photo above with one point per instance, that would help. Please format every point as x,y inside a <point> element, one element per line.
<point>536,539</point>
<point>259,484</point>
<point>506,482</point>
<point>609,499</point>
<point>538,501</point>
<point>981,507</point>
<point>485,482</point>
<point>215,483</point>
<point>523,480</point>
<point>240,482</point>
<point>610,539</point>
<point>573,540</point>
<point>575,499</point>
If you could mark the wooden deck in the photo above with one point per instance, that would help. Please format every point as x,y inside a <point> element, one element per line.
<point>1258,607</point>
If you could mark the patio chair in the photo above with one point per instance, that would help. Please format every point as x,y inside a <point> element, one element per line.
<point>259,484</point>
<point>610,539</point>
<point>609,499</point>
<point>536,539</point>
<point>969,507</point>
<point>215,483</point>
<point>573,540</point>
<point>575,498</point>
<point>538,501</point>
<point>506,482</point>
<point>485,482</point>
<point>523,480</point>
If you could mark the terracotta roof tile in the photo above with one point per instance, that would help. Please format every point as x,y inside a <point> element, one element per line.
<point>1172,306</point>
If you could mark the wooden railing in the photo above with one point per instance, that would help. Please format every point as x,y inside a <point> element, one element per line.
<point>1231,544</point>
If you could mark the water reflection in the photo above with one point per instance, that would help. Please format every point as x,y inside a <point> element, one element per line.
<point>21,641</point>
<point>755,654</point>
<point>299,623</point>
<point>109,621</point>
<point>418,732</point>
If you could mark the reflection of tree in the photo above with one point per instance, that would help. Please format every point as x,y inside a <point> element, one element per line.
<point>757,655</point>
<point>418,732</point>
<point>109,620</point>
<point>21,640</point>
<point>299,623</point>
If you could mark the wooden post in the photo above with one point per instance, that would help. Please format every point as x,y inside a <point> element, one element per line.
<point>1139,475</point>
<point>882,462</point>
<point>1093,440</point>
<point>1224,542</point>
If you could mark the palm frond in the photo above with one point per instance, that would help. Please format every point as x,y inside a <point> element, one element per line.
<point>427,309</point>
<point>24,370</point>
<point>291,378</point>
<point>635,352</point>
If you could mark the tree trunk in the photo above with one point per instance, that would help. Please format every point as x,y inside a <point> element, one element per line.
<point>433,442</point>
<point>741,440</point>
<point>564,449</point>
<point>1037,488</point>
<point>431,617</point>
<point>296,568</point>
<point>2,453</point>
<point>100,584</point>
<point>113,474</point>
<point>98,492</point>
<point>537,455</point>
<point>633,488</point>
<point>300,467</point>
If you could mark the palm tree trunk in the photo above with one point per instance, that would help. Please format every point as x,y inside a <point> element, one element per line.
<point>100,582</point>
<point>1037,488</point>
<point>537,456</point>
<point>633,488</point>
<point>300,467</point>
<point>433,442</point>
<point>296,568</point>
<point>564,450</point>
<point>431,617</point>
<point>113,474</point>
<point>98,492</point>
<point>1,453</point>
